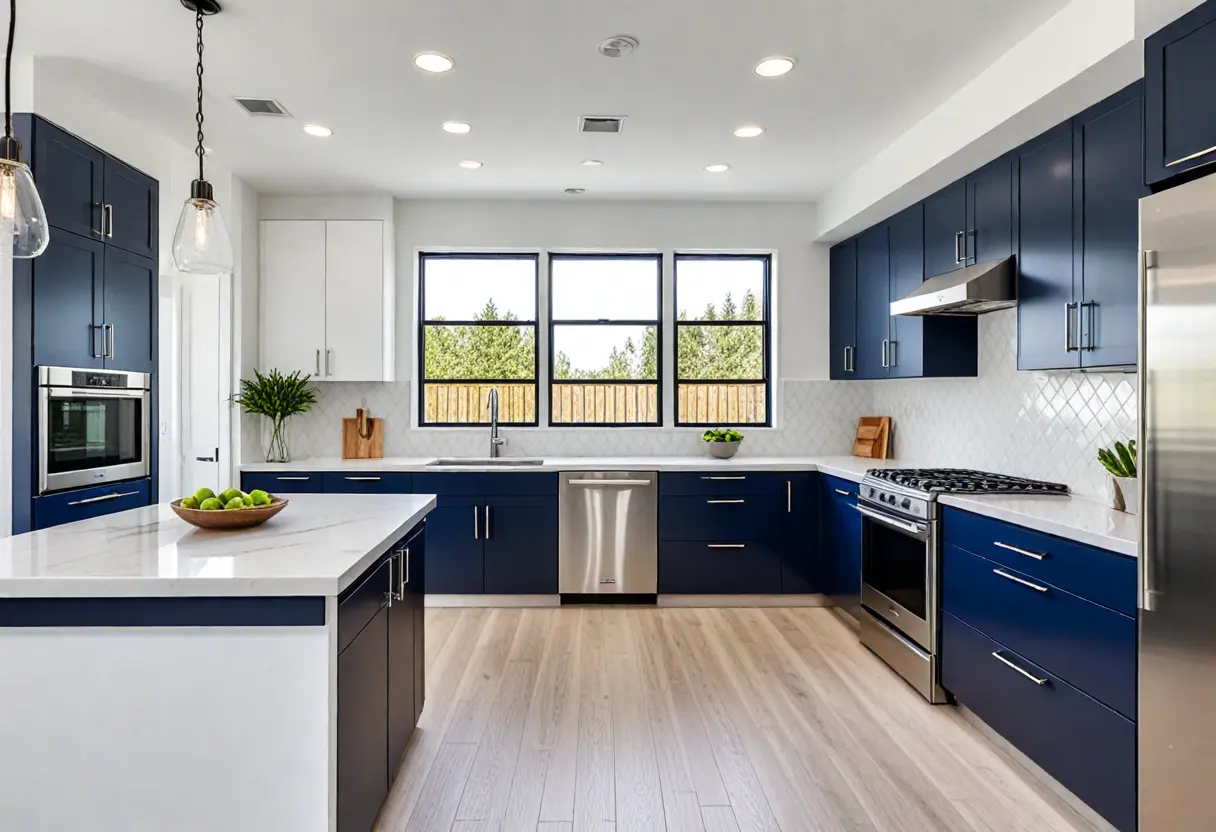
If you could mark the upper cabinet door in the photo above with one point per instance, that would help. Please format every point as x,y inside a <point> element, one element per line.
<point>1108,152</point>
<point>990,212</point>
<point>873,303</point>
<point>1048,337</point>
<point>131,206</point>
<point>69,173</point>
<point>68,279</point>
<point>355,301</point>
<point>842,311</point>
<point>946,230</point>
<point>1180,99</point>
<point>906,353</point>
<point>293,296</point>
<point>129,311</point>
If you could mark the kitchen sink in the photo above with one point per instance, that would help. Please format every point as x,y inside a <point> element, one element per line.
<point>484,462</point>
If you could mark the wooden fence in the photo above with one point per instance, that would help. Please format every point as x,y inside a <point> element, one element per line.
<point>726,403</point>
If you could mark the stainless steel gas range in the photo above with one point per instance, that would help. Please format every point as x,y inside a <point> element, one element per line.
<point>900,558</point>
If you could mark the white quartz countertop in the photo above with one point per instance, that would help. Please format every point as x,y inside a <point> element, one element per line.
<point>1076,518</point>
<point>317,545</point>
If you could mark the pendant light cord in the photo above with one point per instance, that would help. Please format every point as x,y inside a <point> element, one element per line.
<point>201,151</point>
<point>8,70</point>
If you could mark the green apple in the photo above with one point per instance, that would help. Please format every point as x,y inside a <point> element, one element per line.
<point>189,502</point>
<point>235,503</point>
<point>229,494</point>
<point>211,504</point>
<point>202,495</point>
<point>260,497</point>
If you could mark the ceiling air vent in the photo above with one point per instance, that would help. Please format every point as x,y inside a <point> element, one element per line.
<point>601,124</point>
<point>262,107</point>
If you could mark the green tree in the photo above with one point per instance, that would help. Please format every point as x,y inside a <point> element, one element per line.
<point>489,352</point>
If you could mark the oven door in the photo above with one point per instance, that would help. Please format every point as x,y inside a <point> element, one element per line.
<point>898,573</point>
<point>88,437</point>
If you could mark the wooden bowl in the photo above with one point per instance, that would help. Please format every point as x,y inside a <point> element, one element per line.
<point>228,520</point>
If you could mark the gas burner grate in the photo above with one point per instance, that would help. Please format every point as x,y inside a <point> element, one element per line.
<point>962,481</point>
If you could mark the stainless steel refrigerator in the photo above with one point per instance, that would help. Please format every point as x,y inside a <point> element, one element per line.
<point>1177,713</point>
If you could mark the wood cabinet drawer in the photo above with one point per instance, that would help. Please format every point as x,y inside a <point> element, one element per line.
<point>725,519</point>
<point>354,482</point>
<point>1106,578</point>
<point>1085,745</point>
<point>1089,646</point>
<point>362,600</point>
<point>719,569</point>
<point>722,483</point>
<point>288,482</point>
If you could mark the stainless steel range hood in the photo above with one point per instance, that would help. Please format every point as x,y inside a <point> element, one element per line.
<point>984,287</point>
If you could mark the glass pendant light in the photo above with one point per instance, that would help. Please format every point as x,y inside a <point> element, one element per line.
<point>201,244</point>
<point>21,211</point>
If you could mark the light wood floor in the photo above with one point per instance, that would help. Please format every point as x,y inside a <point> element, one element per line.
<point>615,719</point>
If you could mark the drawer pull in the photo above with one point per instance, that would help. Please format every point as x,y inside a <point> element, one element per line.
<point>1007,663</point>
<point>362,479</point>
<point>842,492</point>
<point>104,498</point>
<point>1016,550</point>
<point>1017,580</point>
<point>293,479</point>
<point>726,545</point>
<point>724,502</point>
<point>1184,159</point>
<point>723,478</point>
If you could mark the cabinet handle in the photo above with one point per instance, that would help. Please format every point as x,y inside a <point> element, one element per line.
<point>850,363</point>
<point>1192,157</point>
<point>318,362</point>
<point>789,497</point>
<point>723,478</point>
<point>958,246</point>
<point>93,337</point>
<point>1017,580</point>
<point>107,219</point>
<point>726,545</point>
<point>362,479</point>
<point>892,352</point>
<point>101,221</point>
<point>487,522</point>
<point>1068,307</point>
<point>724,502</point>
<point>1016,550</point>
<point>1087,332</point>
<point>886,347</point>
<point>328,355</point>
<point>104,498</point>
<point>606,483</point>
<point>476,527</point>
<point>405,558</point>
<point>1040,682</point>
<point>842,492</point>
<point>107,328</point>
<point>292,479</point>
<point>392,590</point>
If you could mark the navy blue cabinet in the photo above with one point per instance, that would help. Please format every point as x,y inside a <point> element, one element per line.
<point>946,230</point>
<point>734,568</point>
<point>288,482</point>
<point>70,174</point>
<point>455,562</point>
<point>1180,122</point>
<point>873,302</point>
<point>800,535</point>
<point>85,503</point>
<point>840,547</point>
<point>342,482</point>
<point>129,311</point>
<point>842,312</point>
<point>131,204</point>
<point>404,647</point>
<point>990,212</point>
<point>907,236</point>
<point>520,535</point>
<point>67,283</point>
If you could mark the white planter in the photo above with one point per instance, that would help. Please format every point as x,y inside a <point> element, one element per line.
<point>1127,494</point>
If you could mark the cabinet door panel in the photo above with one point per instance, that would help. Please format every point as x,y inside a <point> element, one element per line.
<point>840,555</point>
<point>68,280</point>
<point>800,535</point>
<point>365,483</point>
<point>363,726</point>
<point>415,594</point>
<point>704,569</point>
<point>293,296</point>
<point>1179,63</point>
<point>294,482</point>
<point>354,299</point>
<point>132,220</point>
<point>401,659</point>
<point>129,309</point>
<point>842,312</point>
<point>1109,150</point>
<point>945,224</point>
<point>990,210</point>
<point>520,545</point>
<point>70,173</point>
<point>907,274</point>
<point>454,558</point>
<point>70,506</point>
<point>873,302</point>
<point>1045,254</point>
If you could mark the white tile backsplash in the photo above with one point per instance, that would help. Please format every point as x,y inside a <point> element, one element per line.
<point>1042,425</point>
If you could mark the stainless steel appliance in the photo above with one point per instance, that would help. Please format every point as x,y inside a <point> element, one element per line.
<point>974,290</point>
<point>608,530</point>
<point>900,557</point>
<point>93,427</point>
<point>1177,733</point>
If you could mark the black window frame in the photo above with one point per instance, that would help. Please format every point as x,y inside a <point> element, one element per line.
<point>765,323</point>
<point>553,322</point>
<point>423,257</point>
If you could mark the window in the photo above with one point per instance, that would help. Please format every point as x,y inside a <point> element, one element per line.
<point>723,358</point>
<point>605,339</point>
<point>477,332</point>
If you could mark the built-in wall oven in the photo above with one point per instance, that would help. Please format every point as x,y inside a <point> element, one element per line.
<point>94,426</point>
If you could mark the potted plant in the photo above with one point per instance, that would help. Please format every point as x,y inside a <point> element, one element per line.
<point>278,397</point>
<point>1121,463</point>
<point>722,444</point>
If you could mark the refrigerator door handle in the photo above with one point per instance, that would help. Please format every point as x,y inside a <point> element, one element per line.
<point>1148,594</point>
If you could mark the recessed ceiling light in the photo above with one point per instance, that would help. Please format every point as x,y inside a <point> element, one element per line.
<point>749,131</point>
<point>456,126</point>
<point>470,164</point>
<point>618,46</point>
<point>720,167</point>
<point>576,191</point>
<point>592,163</point>
<point>433,62</point>
<point>772,67</point>
<point>318,130</point>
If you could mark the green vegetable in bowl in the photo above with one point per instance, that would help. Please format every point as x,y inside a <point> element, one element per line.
<point>720,435</point>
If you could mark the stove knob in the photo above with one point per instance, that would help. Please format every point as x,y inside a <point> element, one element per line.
<point>906,504</point>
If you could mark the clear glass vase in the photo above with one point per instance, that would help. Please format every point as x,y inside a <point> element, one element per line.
<point>277,448</point>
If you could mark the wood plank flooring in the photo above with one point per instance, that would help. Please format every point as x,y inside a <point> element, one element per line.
<point>607,719</point>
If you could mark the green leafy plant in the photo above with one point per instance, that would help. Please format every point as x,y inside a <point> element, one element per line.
<point>726,435</point>
<point>278,397</point>
<point>1121,461</point>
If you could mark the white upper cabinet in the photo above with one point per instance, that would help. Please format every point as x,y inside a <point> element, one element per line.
<point>327,302</point>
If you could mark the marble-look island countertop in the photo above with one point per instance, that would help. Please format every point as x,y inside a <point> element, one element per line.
<point>316,546</point>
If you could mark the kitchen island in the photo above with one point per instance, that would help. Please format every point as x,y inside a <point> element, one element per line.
<point>158,676</point>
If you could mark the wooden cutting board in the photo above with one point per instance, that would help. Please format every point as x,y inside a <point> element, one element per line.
<point>362,437</point>
<point>873,437</point>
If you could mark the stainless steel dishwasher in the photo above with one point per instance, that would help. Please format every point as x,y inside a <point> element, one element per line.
<point>608,531</point>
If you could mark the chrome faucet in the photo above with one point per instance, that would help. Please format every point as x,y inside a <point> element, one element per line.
<point>495,441</point>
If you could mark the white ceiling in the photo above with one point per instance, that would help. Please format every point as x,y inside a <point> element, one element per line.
<point>526,69</point>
